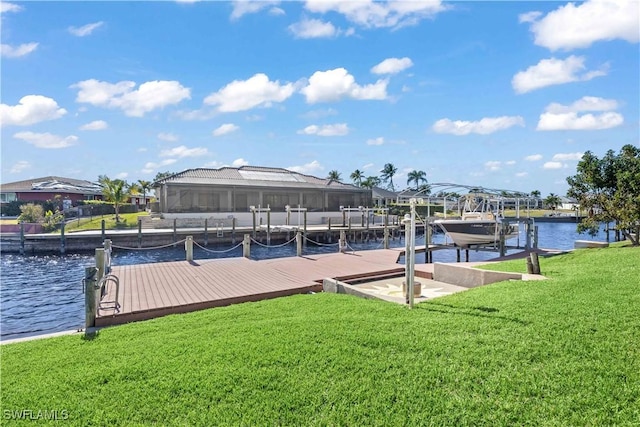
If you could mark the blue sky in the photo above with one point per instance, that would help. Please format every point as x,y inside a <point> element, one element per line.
<point>499,94</point>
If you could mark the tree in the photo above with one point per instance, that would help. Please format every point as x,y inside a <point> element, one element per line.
<point>357,176</point>
<point>334,175</point>
<point>388,171</point>
<point>162,175</point>
<point>114,191</point>
<point>552,201</point>
<point>536,195</point>
<point>609,190</point>
<point>419,177</point>
<point>370,182</point>
<point>145,186</point>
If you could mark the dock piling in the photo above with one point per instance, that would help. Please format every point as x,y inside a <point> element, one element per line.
<point>206,232</point>
<point>246,246</point>
<point>342,244</point>
<point>139,232</point>
<point>385,237</point>
<point>62,240</point>
<point>188,247</point>
<point>298,243</point>
<point>102,226</point>
<point>21,238</point>
<point>90,305</point>
<point>175,232</point>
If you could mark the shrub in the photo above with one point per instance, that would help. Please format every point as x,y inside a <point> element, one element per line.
<point>51,220</point>
<point>31,213</point>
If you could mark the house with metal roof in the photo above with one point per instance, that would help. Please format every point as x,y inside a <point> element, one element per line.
<point>229,189</point>
<point>48,187</point>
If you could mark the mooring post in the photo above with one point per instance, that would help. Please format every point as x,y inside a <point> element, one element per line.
<point>253,216</point>
<point>246,246</point>
<point>349,223</point>
<point>342,245</point>
<point>428,254</point>
<point>527,230</point>
<point>298,243</point>
<point>535,237</point>
<point>206,232</point>
<point>175,232</point>
<point>188,247</point>
<point>385,237</point>
<point>21,238</point>
<point>268,227</point>
<point>304,228</point>
<point>90,297</point>
<point>100,264</point>
<point>503,249</point>
<point>535,262</point>
<point>329,224</point>
<point>139,232</point>
<point>62,240</point>
<point>466,255</point>
<point>529,265</point>
<point>457,254</point>
<point>107,253</point>
<point>102,227</point>
<point>344,218</point>
<point>233,230</point>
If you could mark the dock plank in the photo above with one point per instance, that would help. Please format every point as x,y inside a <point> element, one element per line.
<point>158,289</point>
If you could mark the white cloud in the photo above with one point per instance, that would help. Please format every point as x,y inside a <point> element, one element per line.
<point>313,28</point>
<point>522,174</point>
<point>375,141</point>
<point>225,129</point>
<point>149,167</point>
<point>183,151</point>
<point>552,165</point>
<point>168,137</point>
<point>149,96</point>
<point>332,85</point>
<point>5,6</point>
<point>484,126</point>
<point>257,91</point>
<point>95,125</point>
<point>9,51</point>
<point>493,165</point>
<point>533,157</point>
<point>276,11</point>
<point>563,157</point>
<point>243,7</point>
<point>529,16</point>
<point>373,14</point>
<point>367,166</point>
<point>46,140</point>
<point>552,71</point>
<point>510,162</point>
<point>392,65</point>
<point>20,166</point>
<point>239,162</point>
<point>122,175</point>
<point>586,103</point>
<point>338,129</point>
<point>319,114</point>
<point>85,30</point>
<point>30,110</point>
<point>580,25</point>
<point>307,168</point>
<point>567,117</point>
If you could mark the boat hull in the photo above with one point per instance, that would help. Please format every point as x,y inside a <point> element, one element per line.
<point>466,233</point>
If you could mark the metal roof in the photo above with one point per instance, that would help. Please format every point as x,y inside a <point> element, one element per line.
<point>52,184</point>
<point>254,176</point>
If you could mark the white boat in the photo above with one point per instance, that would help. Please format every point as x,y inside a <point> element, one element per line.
<point>477,227</point>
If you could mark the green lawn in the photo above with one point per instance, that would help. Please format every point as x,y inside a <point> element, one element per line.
<point>563,351</point>
<point>127,220</point>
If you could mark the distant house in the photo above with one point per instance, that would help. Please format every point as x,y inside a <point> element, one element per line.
<point>238,189</point>
<point>47,188</point>
<point>383,198</point>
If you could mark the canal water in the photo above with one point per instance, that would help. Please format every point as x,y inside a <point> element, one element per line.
<point>43,294</point>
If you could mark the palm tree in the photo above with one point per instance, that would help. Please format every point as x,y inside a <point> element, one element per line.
<point>536,195</point>
<point>114,191</point>
<point>552,201</point>
<point>334,175</point>
<point>388,171</point>
<point>370,182</point>
<point>144,186</point>
<point>419,177</point>
<point>357,176</point>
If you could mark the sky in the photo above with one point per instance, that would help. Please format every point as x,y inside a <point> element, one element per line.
<point>497,94</point>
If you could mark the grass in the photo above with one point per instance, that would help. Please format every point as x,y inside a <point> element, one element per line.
<point>127,220</point>
<point>558,352</point>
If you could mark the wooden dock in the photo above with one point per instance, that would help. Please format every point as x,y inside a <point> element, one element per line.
<point>153,290</point>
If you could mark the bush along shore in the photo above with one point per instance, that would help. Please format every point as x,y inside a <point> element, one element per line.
<point>562,351</point>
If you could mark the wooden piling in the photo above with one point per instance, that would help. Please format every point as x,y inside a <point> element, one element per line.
<point>102,226</point>
<point>206,232</point>
<point>342,245</point>
<point>188,247</point>
<point>139,232</point>
<point>175,232</point>
<point>21,238</point>
<point>90,306</point>
<point>385,237</point>
<point>62,240</point>
<point>268,227</point>
<point>233,231</point>
<point>298,243</point>
<point>246,246</point>
<point>535,262</point>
